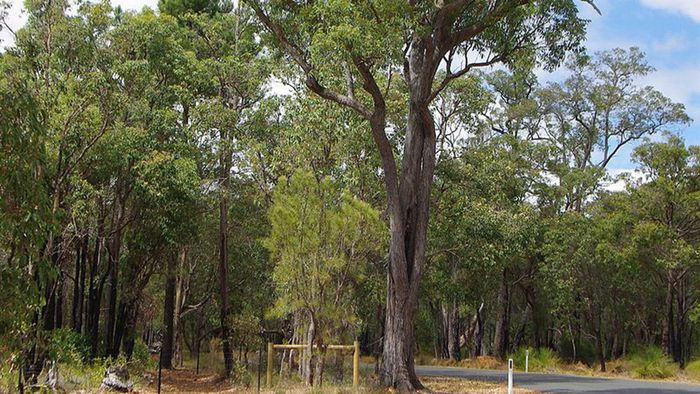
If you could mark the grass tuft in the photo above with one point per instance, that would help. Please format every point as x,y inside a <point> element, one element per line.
<point>651,363</point>
<point>692,369</point>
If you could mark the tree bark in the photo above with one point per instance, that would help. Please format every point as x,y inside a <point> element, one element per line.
<point>667,339</point>
<point>81,250</point>
<point>500,340</point>
<point>453,331</point>
<point>306,368</point>
<point>115,243</point>
<point>180,297</point>
<point>479,335</point>
<point>130,330</point>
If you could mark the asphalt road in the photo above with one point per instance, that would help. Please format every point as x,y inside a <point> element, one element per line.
<point>550,383</point>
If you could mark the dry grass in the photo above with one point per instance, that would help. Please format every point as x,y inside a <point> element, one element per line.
<point>481,362</point>
<point>186,381</point>
<point>455,385</point>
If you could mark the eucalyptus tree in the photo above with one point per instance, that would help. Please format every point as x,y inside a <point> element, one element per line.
<point>668,233</point>
<point>483,226</point>
<point>595,112</point>
<point>231,74</point>
<point>590,273</point>
<point>25,215</point>
<point>349,52</point>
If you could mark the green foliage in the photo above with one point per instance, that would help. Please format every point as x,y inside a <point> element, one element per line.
<point>179,8</point>
<point>651,362</point>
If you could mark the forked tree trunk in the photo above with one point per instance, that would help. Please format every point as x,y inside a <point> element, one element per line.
<point>408,205</point>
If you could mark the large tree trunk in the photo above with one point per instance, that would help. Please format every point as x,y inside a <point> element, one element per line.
<point>408,221</point>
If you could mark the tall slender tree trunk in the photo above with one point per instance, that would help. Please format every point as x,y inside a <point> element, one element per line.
<point>452,322</point>
<point>667,339</point>
<point>682,332</point>
<point>95,289</point>
<point>500,340</point>
<point>79,284</point>
<point>479,332</point>
<point>115,243</point>
<point>59,299</point>
<point>224,174</point>
<point>180,296</point>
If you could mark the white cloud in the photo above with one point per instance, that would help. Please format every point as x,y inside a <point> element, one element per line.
<point>681,84</point>
<point>620,178</point>
<point>671,43</point>
<point>689,8</point>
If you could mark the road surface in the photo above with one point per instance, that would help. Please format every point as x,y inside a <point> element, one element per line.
<point>551,383</point>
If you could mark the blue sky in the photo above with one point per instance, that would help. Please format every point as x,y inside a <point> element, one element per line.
<point>668,31</point>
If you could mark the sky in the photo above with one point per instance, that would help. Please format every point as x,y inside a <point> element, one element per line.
<point>668,31</point>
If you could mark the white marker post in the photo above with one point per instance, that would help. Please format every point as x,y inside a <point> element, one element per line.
<point>527,359</point>
<point>510,376</point>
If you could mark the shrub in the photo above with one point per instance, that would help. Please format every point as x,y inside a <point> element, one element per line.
<point>141,357</point>
<point>542,359</point>
<point>68,347</point>
<point>693,369</point>
<point>651,362</point>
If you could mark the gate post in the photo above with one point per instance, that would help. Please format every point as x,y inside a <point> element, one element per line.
<point>270,351</point>
<point>356,365</point>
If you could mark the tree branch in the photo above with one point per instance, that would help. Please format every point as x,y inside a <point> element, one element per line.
<point>298,56</point>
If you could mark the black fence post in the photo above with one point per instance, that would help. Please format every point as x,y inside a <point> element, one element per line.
<point>199,344</point>
<point>160,366</point>
<point>259,364</point>
<point>20,384</point>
